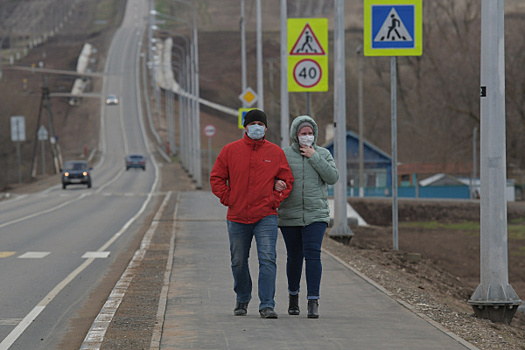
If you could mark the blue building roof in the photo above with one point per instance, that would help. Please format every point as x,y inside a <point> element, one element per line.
<point>373,157</point>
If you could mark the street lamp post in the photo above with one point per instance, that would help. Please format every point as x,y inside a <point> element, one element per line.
<point>340,229</point>
<point>494,298</point>
<point>195,132</point>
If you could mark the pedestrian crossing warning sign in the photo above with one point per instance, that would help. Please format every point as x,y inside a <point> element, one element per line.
<point>307,43</point>
<point>393,28</point>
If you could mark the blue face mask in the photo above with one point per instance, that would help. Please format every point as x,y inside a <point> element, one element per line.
<point>256,132</point>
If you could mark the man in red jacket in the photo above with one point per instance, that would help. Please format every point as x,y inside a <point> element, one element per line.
<point>243,178</point>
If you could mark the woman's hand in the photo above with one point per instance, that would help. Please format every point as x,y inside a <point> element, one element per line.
<point>307,151</point>
<point>280,185</point>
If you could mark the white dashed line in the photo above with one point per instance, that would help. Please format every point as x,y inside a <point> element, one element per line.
<point>34,255</point>
<point>95,255</point>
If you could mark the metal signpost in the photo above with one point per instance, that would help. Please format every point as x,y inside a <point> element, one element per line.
<point>18,134</point>
<point>393,28</point>
<point>209,131</point>
<point>42,137</point>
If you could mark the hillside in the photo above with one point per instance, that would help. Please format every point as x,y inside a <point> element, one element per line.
<point>435,120</point>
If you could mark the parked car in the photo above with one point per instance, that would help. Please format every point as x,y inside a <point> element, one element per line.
<point>112,100</point>
<point>76,172</point>
<point>135,161</point>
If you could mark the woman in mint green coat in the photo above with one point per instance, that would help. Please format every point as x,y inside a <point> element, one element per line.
<point>305,215</point>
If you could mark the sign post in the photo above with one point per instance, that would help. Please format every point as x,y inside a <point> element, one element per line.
<point>42,137</point>
<point>393,28</point>
<point>209,131</point>
<point>18,134</point>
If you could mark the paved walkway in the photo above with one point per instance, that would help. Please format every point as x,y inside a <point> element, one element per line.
<point>354,313</point>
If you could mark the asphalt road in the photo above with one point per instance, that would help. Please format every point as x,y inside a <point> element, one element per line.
<point>56,245</point>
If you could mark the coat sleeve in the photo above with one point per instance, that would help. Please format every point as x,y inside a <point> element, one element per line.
<point>219,177</point>
<point>323,162</point>
<point>285,174</point>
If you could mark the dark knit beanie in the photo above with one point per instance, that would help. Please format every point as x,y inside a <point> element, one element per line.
<point>255,115</point>
<point>303,124</point>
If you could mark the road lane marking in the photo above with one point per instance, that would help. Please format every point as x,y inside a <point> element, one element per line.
<point>17,332</point>
<point>43,211</point>
<point>34,255</point>
<point>95,255</point>
<point>10,321</point>
<point>21,327</point>
<point>6,254</point>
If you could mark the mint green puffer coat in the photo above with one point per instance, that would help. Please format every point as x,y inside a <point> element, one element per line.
<point>308,201</point>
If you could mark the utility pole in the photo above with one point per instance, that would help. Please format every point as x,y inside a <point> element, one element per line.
<point>260,84</point>
<point>494,298</point>
<point>340,230</point>
<point>285,113</point>
<point>243,53</point>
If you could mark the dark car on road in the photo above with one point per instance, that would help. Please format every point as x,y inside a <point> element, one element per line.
<point>76,172</point>
<point>135,161</point>
<point>112,100</point>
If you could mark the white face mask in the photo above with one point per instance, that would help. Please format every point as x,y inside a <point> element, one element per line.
<point>256,132</point>
<point>306,140</point>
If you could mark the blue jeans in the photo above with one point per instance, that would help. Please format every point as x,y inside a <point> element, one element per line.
<point>265,232</point>
<point>304,242</point>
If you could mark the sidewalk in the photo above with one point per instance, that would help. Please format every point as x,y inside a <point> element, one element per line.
<point>354,313</point>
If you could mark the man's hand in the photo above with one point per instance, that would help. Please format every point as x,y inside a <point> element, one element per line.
<point>280,185</point>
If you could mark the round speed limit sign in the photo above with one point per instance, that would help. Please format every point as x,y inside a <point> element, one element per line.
<point>307,73</point>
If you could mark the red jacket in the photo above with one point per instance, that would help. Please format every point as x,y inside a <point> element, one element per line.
<point>243,178</point>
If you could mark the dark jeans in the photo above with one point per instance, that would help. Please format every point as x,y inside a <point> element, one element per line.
<point>304,242</point>
<point>241,235</point>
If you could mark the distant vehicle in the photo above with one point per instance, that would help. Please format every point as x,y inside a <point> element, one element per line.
<point>76,172</point>
<point>135,161</point>
<point>112,100</point>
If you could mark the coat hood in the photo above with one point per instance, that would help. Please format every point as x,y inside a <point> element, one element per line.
<point>296,122</point>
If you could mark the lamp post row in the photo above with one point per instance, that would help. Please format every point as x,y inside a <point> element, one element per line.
<point>190,151</point>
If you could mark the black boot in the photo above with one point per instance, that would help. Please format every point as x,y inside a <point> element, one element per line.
<point>293,307</point>
<point>313,308</point>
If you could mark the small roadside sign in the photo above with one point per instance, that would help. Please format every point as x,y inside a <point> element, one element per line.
<point>42,133</point>
<point>242,113</point>
<point>248,96</point>
<point>209,130</point>
<point>393,27</point>
<point>307,54</point>
<point>18,128</point>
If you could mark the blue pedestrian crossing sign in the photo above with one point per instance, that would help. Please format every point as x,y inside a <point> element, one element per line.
<point>393,27</point>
